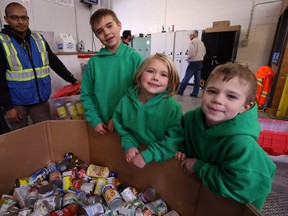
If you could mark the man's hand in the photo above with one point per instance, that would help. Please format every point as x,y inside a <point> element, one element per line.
<point>13,116</point>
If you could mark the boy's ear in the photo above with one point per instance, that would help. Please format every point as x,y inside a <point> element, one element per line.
<point>248,106</point>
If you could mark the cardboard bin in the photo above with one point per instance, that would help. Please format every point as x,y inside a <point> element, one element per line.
<point>27,150</point>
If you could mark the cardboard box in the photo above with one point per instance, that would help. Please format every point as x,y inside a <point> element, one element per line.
<point>224,23</point>
<point>26,150</point>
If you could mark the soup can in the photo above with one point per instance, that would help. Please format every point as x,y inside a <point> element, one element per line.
<point>112,197</point>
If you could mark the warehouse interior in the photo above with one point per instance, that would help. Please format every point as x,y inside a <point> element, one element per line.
<point>253,33</point>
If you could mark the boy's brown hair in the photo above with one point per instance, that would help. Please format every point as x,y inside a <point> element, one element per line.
<point>173,77</point>
<point>97,15</point>
<point>230,70</point>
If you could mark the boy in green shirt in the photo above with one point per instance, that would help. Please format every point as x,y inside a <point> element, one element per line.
<point>221,138</point>
<point>108,74</point>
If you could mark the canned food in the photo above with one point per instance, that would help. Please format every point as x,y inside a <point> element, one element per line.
<point>128,195</point>
<point>88,188</point>
<point>72,110</point>
<point>81,195</point>
<point>67,182</point>
<point>31,197</point>
<point>93,209</point>
<point>55,178</point>
<point>97,171</point>
<point>100,183</point>
<point>69,198</point>
<point>112,197</point>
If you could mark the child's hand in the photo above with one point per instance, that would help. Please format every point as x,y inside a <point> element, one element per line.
<point>188,164</point>
<point>138,161</point>
<point>101,128</point>
<point>180,156</point>
<point>111,128</point>
<point>130,154</point>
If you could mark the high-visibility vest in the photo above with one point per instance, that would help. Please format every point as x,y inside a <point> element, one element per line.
<point>264,77</point>
<point>28,80</point>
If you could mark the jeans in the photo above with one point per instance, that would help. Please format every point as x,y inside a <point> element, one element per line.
<point>194,68</point>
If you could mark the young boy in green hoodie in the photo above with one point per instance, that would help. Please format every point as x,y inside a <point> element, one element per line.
<point>221,138</point>
<point>108,74</point>
<point>148,114</point>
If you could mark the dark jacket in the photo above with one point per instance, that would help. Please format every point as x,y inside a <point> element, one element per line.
<point>54,63</point>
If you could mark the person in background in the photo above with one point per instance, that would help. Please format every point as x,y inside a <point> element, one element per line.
<point>196,53</point>
<point>148,114</point>
<point>108,74</point>
<point>126,37</point>
<point>25,61</point>
<point>221,138</point>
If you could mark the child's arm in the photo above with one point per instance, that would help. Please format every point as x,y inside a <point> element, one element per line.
<point>139,161</point>
<point>87,97</point>
<point>127,140</point>
<point>166,148</point>
<point>101,128</point>
<point>130,154</point>
<point>188,164</point>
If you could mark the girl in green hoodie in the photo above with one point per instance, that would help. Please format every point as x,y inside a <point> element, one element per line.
<point>148,114</point>
<point>221,138</point>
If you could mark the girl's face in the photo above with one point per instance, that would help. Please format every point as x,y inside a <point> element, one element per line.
<point>154,79</point>
<point>223,100</point>
<point>108,32</point>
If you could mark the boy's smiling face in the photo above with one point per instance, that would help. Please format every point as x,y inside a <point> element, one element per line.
<point>108,32</point>
<point>223,100</point>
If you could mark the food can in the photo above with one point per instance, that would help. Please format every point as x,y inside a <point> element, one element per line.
<point>172,213</point>
<point>21,182</point>
<point>77,183</point>
<point>88,188</point>
<point>112,197</point>
<point>81,195</point>
<point>128,195</point>
<point>61,110</point>
<point>24,212</point>
<point>93,209</point>
<point>72,110</point>
<point>80,108</point>
<point>46,190</point>
<point>100,183</point>
<point>67,182</point>
<point>69,198</point>
<point>31,197</point>
<point>97,171</point>
<point>55,178</point>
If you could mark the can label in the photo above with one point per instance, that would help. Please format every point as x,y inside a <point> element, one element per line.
<point>67,182</point>
<point>72,110</point>
<point>94,209</point>
<point>128,195</point>
<point>97,171</point>
<point>62,112</point>
<point>69,198</point>
<point>112,197</point>
<point>80,108</point>
<point>88,187</point>
<point>101,182</point>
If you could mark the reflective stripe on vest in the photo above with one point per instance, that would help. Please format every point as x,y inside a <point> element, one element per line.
<point>41,47</point>
<point>16,72</point>
<point>259,81</point>
<point>11,53</point>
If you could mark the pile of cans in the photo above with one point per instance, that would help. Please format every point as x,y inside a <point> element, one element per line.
<point>72,187</point>
<point>67,108</point>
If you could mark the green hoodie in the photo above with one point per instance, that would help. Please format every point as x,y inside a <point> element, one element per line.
<point>106,80</point>
<point>157,123</point>
<point>230,161</point>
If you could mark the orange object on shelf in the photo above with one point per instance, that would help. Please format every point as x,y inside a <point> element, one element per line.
<point>67,90</point>
<point>274,136</point>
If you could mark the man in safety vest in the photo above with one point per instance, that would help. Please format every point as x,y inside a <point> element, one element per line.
<point>25,61</point>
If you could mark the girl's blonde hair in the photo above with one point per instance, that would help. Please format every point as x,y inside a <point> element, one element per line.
<point>173,77</point>
<point>230,70</point>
